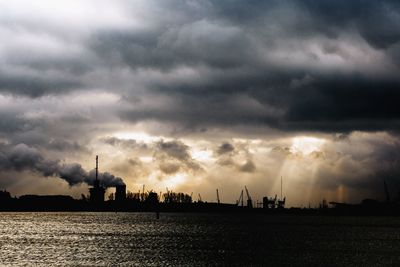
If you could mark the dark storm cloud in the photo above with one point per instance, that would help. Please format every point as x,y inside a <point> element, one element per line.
<point>36,86</point>
<point>376,21</point>
<point>281,93</point>
<point>282,64</point>
<point>24,158</point>
<point>330,102</point>
<point>345,103</point>
<point>362,15</point>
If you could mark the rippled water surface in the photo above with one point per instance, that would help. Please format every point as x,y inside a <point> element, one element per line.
<point>139,239</point>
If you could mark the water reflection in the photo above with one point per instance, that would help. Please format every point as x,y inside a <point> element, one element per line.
<point>139,239</point>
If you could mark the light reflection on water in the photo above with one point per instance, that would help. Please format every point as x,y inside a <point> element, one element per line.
<point>139,239</point>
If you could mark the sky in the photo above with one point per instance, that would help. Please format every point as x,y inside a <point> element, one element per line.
<point>196,96</point>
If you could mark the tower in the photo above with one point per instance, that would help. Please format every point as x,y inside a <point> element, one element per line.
<point>97,191</point>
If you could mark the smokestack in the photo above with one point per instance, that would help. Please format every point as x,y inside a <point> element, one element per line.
<point>97,167</point>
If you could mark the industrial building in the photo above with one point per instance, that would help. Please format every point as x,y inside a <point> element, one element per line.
<point>120,193</point>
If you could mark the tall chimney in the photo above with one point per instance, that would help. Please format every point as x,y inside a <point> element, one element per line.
<point>97,167</point>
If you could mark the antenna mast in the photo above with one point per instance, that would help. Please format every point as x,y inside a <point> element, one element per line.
<point>97,167</point>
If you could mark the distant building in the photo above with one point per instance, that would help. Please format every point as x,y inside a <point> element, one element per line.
<point>152,198</point>
<point>120,193</point>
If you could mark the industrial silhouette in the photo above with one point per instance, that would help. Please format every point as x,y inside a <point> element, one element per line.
<point>171,201</point>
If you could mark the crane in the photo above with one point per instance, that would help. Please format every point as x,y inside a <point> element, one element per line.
<point>249,201</point>
<point>240,199</point>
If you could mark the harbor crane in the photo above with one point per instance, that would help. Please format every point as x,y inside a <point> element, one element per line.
<point>240,200</point>
<point>249,201</point>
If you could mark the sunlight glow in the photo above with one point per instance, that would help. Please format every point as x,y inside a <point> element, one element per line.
<point>202,155</point>
<point>138,136</point>
<point>175,180</point>
<point>146,159</point>
<point>306,145</point>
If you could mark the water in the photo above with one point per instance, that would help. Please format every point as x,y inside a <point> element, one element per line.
<point>139,239</point>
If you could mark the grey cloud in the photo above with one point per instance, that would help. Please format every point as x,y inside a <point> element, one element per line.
<point>11,123</point>
<point>225,161</point>
<point>225,148</point>
<point>249,166</point>
<point>282,151</point>
<point>174,149</point>
<point>124,143</point>
<point>24,158</point>
<point>227,157</point>
<point>21,157</point>
<point>66,145</point>
<point>22,84</point>
<point>174,155</point>
<point>132,168</point>
<point>169,168</point>
<point>170,156</point>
